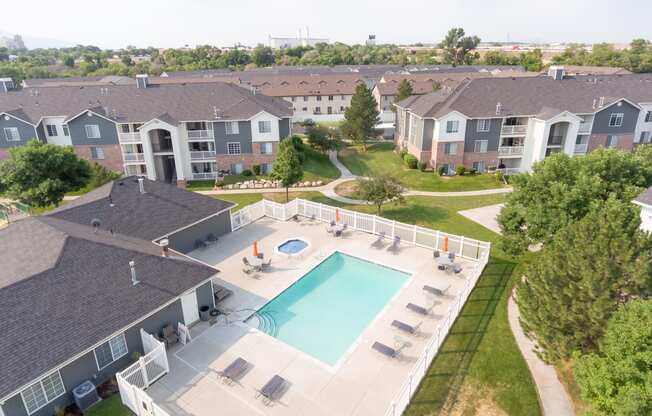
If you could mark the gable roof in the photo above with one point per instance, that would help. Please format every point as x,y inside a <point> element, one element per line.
<point>645,198</point>
<point>78,293</point>
<point>160,211</point>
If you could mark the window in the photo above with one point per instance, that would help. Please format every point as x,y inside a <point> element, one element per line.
<point>265,126</point>
<point>449,168</point>
<point>304,108</point>
<point>480,146</point>
<point>646,137</point>
<point>266,148</point>
<point>478,166</point>
<point>233,148</point>
<point>342,109</point>
<point>294,99</point>
<point>110,351</point>
<point>330,98</point>
<point>329,109</point>
<point>92,131</point>
<point>648,117</point>
<point>266,168</point>
<point>305,98</point>
<point>11,134</point>
<point>124,128</point>
<point>452,126</point>
<point>232,127</point>
<point>319,98</point>
<point>66,132</point>
<point>616,119</point>
<point>317,110</point>
<point>97,153</point>
<point>612,141</point>
<point>342,97</point>
<point>450,148</point>
<point>51,129</point>
<point>483,125</point>
<point>236,168</point>
<point>43,392</point>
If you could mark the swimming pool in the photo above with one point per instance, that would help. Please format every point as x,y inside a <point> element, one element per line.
<point>324,312</point>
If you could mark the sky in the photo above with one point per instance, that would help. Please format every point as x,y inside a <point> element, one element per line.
<point>174,23</point>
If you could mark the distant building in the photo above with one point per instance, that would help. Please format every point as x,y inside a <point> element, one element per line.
<point>644,200</point>
<point>371,40</point>
<point>292,42</point>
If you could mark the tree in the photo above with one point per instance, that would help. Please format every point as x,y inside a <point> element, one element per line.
<point>323,138</point>
<point>379,190</point>
<point>69,61</point>
<point>618,379</point>
<point>262,56</point>
<point>39,174</point>
<point>575,284</point>
<point>361,117</point>
<point>562,189</point>
<point>287,166</point>
<point>404,91</point>
<point>457,47</point>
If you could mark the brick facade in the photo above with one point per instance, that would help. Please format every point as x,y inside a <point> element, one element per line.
<point>489,159</point>
<point>247,159</point>
<point>625,141</point>
<point>4,153</point>
<point>112,156</point>
<point>422,155</point>
<point>440,158</point>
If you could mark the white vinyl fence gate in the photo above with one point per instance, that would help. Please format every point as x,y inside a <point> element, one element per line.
<point>135,379</point>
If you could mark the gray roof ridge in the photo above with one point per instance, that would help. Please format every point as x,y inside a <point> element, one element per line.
<point>100,192</point>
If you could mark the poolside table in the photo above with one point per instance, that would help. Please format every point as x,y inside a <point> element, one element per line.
<point>255,262</point>
<point>444,261</point>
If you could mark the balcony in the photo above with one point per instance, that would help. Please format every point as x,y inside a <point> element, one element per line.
<point>581,148</point>
<point>509,171</point>
<point>202,155</point>
<point>585,128</point>
<point>134,157</point>
<point>129,137</point>
<point>519,129</point>
<point>204,175</point>
<point>510,150</point>
<point>200,134</point>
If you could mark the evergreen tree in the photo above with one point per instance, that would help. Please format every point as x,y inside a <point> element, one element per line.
<point>361,117</point>
<point>458,47</point>
<point>287,166</point>
<point>573,287</point>
<point>403,92</point>
<point>618,379</point>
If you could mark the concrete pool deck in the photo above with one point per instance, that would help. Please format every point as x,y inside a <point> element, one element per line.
<point>363,382</point>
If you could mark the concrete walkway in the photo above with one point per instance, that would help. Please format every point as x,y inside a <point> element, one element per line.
<point>485,216</point>
<point>552,395</point>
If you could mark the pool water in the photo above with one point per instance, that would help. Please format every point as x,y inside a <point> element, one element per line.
<point>292,246</point>
<point>325,311</point>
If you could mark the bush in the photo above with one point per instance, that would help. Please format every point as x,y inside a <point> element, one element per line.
<point>500,176</point>
<point>247,172</point>
<point>460,170</point>
<point>422,166</point>
<point>441,171</point>
<point>299,146</point>
<point>256,169</point>
<point>411,161</point>
<point>402,153</point>
<point>472,172</point>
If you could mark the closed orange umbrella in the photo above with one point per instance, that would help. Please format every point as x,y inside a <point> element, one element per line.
<point>255,248</point>
<point>337,215</point>
<point>446,244</point>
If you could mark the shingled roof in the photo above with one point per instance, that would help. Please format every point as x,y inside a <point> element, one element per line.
<point>645,197</point>
<point>121,207</point>
<point>66,286</point>
<point>126,103</point>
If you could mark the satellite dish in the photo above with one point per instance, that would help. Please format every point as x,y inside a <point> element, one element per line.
<point>95,223</point>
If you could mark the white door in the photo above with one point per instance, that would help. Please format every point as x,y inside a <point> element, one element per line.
<point>190,308</point>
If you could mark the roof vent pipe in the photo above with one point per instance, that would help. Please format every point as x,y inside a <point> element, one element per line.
<point>499,108</point>
<point>141,185</point>
<point>595,102</point>
<point>601,101</point>
<point>164,247</point>
<point>134,279</point>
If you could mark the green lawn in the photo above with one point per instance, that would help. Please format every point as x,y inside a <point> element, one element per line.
<point>109,407</point>
<point>479,369</point>
<point>381,158</point>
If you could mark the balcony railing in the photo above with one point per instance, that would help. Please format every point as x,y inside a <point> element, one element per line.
<point>518,129</point>
<point>204,175</point>
<point>585,128</point>
<point>134,157</point>
<point>200,134</point>
<point>510,150</point>
<point>129,137</point>
<point>202,155</point>
<point>581,148</point>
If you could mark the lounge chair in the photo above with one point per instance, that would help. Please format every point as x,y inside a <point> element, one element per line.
<point>386,350</point>
<point>221,293</point>
<point>395,244</point>
<point>211,238</point>
<point>418,309</point>
<point>267,265</point>
<point>379,240</point>
<point>234,371</point>
<point>406,327</point>
<point>272,389</point>
<point>435,291</point>
<point>169,335</point>
<point>199,244</point>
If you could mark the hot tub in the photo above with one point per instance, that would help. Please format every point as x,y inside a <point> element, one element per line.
<point>292,247</point>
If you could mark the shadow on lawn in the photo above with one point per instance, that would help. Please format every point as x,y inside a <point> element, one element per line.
<point>441,385</point>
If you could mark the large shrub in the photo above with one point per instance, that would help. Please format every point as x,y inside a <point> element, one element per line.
<point>410,161</point>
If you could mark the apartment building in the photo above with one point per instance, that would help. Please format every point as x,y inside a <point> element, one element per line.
<point>512,123</point>
<point>173,133</point>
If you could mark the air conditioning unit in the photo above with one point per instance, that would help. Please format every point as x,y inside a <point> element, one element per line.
<point>85,395</point>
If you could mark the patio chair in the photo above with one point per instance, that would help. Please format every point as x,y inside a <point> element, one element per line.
<point>169,335</point>
<point>419,309</point>
<point>267,265</point>
<point>211,238</point>
<point>234,371</point>
<point>436,254</point>
<point>435,291</point>
<point>457,268</point>
<point>395,244</point>
<point>221,293</point>
<point>388,351</point>
<point>272,389</point>
<point>261,255</point>
<point>451,256</point>
<point>402,326</point>
<point>199,244</point>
